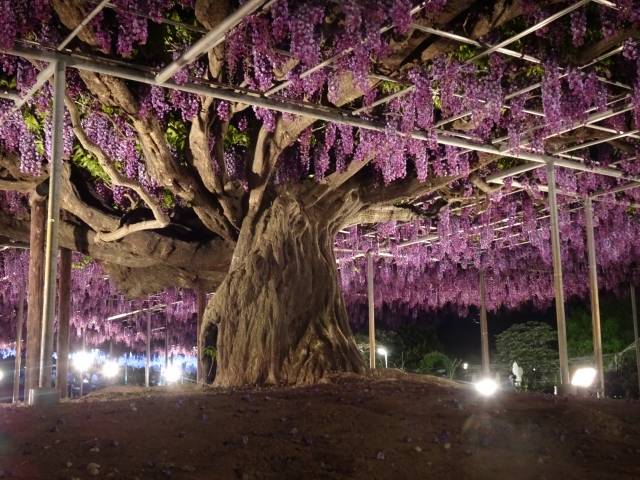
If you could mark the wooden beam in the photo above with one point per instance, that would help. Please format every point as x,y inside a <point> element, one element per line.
<point>36,279</point>
<point>64,307</point>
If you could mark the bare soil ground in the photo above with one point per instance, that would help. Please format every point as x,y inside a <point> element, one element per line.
<point>392,426</point>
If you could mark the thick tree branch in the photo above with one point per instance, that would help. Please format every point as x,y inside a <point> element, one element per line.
<point>371,201</point>
<point>71,202</point>
<point>11,178</point>
<point>595,50</point>
<point>199,145</point>
<point>161,218</point>
<point>161,261</point>
<point>71,14</point>
<point>503,11</point>
<point>160,163</point>
<point>210,13</point>
<point>228,194</point>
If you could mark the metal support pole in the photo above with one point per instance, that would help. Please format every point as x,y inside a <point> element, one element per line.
<point>202,303</point>
<point>147,365</point>
<point>18,362</point>
<point>634,314</point>
<point>53,217</point>
<point>166,343</point>
<point>557,276</point>
<point>372,319</point>
<point>484,331</point>
<point>64,297</point>
<point>126,368</point>
<point>595,298</point>
<point>84,349</point>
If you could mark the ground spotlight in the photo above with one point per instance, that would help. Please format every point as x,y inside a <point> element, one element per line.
<point>110,369</point>
<point>385,352</point>
<point>486,387</point>
<point>173,373</point>
<point>82,361</point>
<point>584,377</point>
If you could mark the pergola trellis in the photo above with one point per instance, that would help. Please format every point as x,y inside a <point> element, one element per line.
<point>61,58</point>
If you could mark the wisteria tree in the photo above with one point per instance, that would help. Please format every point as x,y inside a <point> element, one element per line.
<point>170,189</point>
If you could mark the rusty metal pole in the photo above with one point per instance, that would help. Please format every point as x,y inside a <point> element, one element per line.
<point>64,307</point>
<point>18,362</point>
<point>34,295</point>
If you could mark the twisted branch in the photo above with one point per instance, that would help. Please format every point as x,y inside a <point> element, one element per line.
<point>161,218</point>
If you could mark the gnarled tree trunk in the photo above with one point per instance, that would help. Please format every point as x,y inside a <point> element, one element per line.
<point>280,312</point>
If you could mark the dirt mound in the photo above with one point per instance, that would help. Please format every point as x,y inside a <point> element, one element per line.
<point>389,425</point>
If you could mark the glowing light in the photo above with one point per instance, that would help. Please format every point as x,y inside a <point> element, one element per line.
<point>82,361</point>
<point>584,377</point>
<point>486,387</point>
<point>110,369</point>
<point>173,373</point>
<point>1,375</point>
<point>382,351</point>
<point>465,365</point>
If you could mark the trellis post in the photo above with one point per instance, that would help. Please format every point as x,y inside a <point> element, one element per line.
<point>166,342</point>
<point>64,299</point>
<point>595,298</point>
<point>18,362</point>
<point>372,319</point>
<point>484,331</point>
<point>202,303</point>
<point>34,296</point>
<point>53,219</point>
<point>147,364</point>
<point>557,277</point>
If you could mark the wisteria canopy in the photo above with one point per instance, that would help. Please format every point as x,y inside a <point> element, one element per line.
<point>416,131</point>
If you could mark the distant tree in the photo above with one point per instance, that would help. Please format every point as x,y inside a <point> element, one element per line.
<point>406,346</point>
<point>616,326</point>
<point>418,340</point>
<point>388,339</point>
<point>534,346</point>
<point>623,380</point>
<point>440,364</point>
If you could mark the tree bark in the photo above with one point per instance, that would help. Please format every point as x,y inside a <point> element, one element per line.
<point>280,312</point>
<point>64,297</point>
<point>36,279</point>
